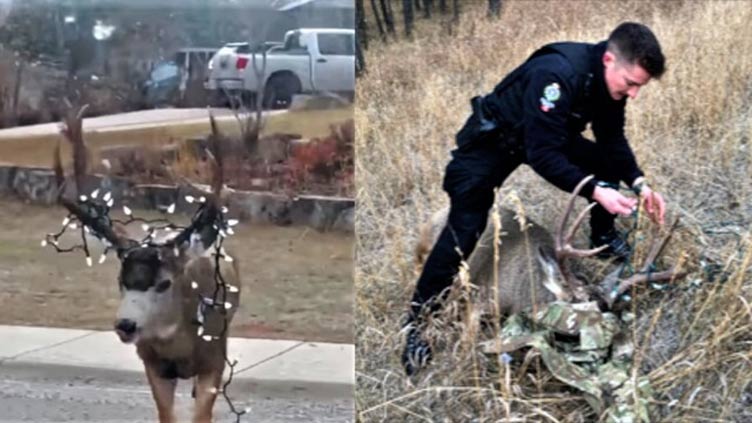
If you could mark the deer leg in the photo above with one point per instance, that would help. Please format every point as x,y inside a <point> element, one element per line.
<point>207,388</point>
<point>163,391</point>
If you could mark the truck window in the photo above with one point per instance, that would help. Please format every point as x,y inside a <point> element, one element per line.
<point>337,44</point>
<point>294,45</point>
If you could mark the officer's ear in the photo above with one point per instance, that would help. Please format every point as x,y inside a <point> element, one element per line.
<point>609,59</point>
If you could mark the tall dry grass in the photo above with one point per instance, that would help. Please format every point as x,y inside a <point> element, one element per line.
<point>691,133</point>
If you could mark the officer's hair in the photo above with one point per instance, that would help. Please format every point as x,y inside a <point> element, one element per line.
<point>636,44</point>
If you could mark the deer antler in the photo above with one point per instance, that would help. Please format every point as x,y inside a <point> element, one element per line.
<point>73,131</point>
<point>205,219</point>
<point>563,243</point>
<point>644,274</point>
<point>92,214</point>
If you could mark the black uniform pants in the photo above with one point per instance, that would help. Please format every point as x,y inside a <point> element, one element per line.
<point>480,164</point>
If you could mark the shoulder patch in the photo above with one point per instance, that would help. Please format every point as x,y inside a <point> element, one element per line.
<point>551,93</point>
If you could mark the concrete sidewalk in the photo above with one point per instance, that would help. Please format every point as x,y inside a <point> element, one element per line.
<point>130,121</point>
<point>322,369</point>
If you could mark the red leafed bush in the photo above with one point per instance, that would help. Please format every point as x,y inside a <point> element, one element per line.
<point>327,160</point>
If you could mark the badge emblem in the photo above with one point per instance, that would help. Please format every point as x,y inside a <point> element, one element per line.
<point>551,92</point>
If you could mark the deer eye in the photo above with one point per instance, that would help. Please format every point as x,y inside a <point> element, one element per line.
<point>163,286</point>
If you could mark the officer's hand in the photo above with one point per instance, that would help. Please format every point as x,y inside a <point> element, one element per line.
<point>654,204</point>
<point>613,201</point>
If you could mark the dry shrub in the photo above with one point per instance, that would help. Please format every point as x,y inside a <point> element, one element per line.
<point>691,132</point>
<point>141,164</point>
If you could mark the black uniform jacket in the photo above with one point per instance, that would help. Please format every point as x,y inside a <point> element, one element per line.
<point>547,103</point>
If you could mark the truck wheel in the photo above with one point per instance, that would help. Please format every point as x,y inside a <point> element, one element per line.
<point>279,91</point>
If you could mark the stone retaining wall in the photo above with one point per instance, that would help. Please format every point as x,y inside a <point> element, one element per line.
<point>37,185</point>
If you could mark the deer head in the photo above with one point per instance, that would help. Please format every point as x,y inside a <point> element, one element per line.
<point>153,279</point>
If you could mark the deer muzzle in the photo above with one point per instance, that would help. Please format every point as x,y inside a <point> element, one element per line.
<point>126,330</point>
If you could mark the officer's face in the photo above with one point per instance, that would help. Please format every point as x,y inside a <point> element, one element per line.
<point>622,78</point>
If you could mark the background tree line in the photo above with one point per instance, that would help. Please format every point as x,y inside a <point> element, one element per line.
<point>379,20</point>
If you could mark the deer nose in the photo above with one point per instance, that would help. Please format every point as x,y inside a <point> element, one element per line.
<point>125,326</point>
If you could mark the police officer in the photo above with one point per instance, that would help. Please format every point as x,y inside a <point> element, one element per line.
<point>536,116</point>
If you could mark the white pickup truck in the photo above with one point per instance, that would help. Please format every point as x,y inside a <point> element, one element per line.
<point>310,60</point>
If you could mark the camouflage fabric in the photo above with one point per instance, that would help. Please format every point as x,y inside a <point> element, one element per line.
<point>586,349</point>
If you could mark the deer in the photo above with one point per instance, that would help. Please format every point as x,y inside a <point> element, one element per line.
<point>176,302</point>
<point>533,265</point>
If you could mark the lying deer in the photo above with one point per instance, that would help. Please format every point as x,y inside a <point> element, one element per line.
<point>168,288</point>
<point>532,267</point>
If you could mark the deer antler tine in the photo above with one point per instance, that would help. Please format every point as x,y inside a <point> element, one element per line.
<point>576,252</point>
<point>568,210</point>
<point>578,221</point>
<point>217,158</point>
<point>657,248</point>
<point>641,278</point>
<point>58,167</point>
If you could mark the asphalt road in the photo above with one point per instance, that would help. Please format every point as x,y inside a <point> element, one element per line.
<point>38,396</point>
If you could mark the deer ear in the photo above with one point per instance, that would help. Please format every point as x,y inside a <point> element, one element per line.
<point>195,246</point>
<point>125,248</point>
<point>547,254</point>
<point>547,261</point>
